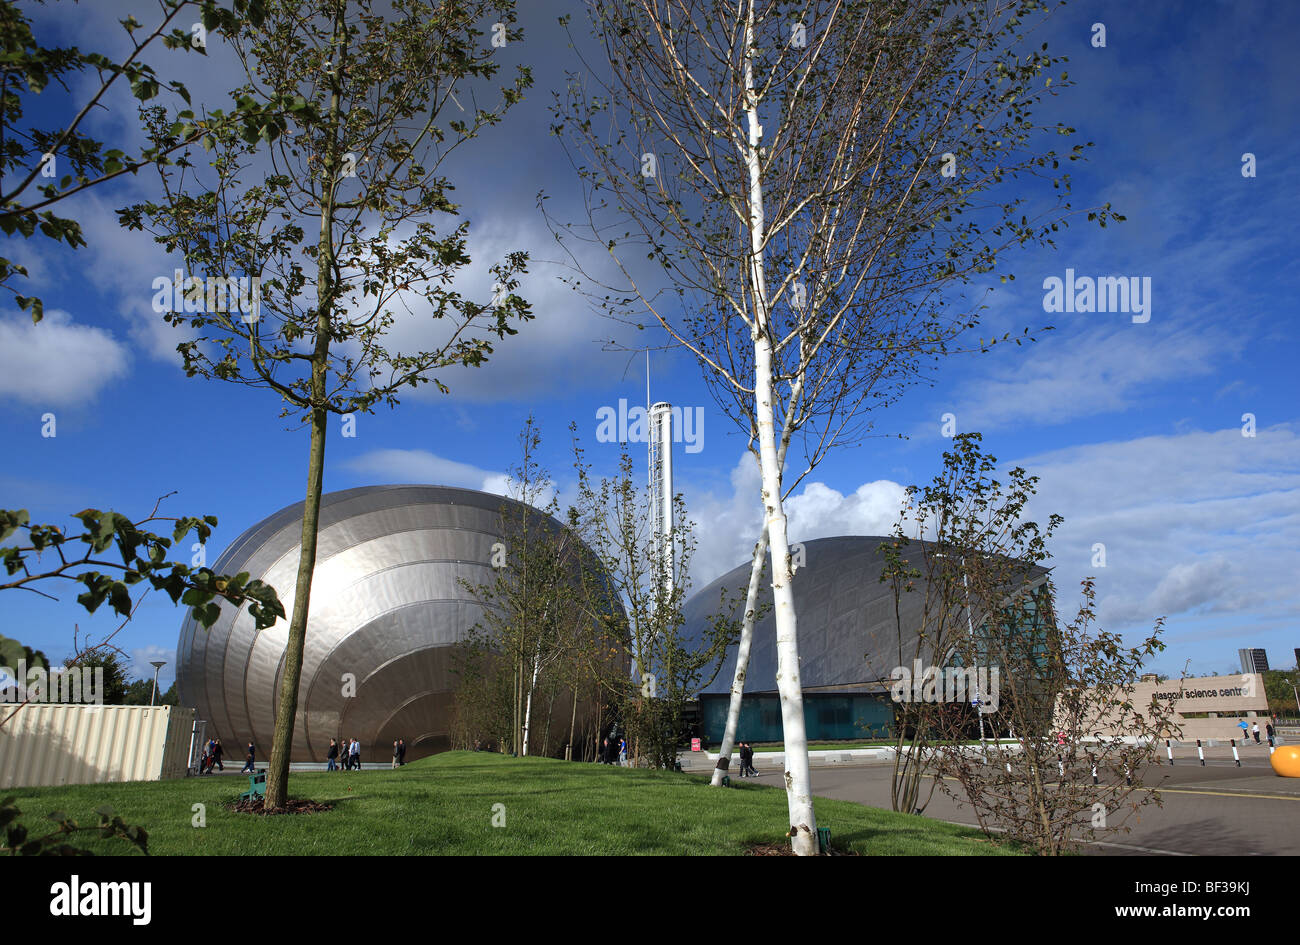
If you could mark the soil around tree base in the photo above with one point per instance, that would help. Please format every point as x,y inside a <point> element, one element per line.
<point>293,806</point>
<point>783,848</point>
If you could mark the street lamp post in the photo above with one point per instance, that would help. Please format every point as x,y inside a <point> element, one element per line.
<point>157,665</point>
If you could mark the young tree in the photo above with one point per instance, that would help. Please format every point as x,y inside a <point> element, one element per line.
<point>806,173</point>
<point>960,515</point>
<point>635,563</point>
<point>550,621</point>
<point>529,607</point>
<point>1064,689</point>
<point>337,226</point>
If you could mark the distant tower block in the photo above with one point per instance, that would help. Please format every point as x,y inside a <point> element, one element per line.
<point>661,488</point>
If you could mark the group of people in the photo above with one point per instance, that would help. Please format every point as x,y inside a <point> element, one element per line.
<point>746,760</point>
<point>351,752</point>
<point>211,758</point>
<point>613,754</point>
<point>213,753</point>
<point>1246,731</point>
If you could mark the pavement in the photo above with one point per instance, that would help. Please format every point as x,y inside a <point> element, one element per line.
<point>1215,809</point>
<point>234,768</point>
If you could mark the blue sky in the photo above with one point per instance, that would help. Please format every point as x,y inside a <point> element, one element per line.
<point>1135,429</point>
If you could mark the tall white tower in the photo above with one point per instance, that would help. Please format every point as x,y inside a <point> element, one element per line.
<point>661,487</point>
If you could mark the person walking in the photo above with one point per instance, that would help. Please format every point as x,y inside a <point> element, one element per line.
<point>1245,730</point>
<point>1268,728</point>
<point>397,754</point>
<point>622,752</point>
<point>356,755</point>
<point>333,753</point>
<point>217,752</point>
<point>749,753</point>
<point>249,765</point>
<point>1255,728</point>
<point>401,751</point>
<point>206,758</point>
<point>744,760</point>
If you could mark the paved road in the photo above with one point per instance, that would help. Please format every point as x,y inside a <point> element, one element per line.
<point>1217,809</point>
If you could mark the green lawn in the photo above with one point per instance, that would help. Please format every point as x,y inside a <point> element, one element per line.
<point>444,805</point>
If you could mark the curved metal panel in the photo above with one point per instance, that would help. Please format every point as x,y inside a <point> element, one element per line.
<point>849,634</point>
<point>386,604</point>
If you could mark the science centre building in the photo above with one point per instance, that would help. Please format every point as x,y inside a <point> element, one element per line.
<point>849,643</point>
<point>387,606</point>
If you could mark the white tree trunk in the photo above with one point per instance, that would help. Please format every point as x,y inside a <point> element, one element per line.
<point>742,661</point>
<point>528,709</point>
<point>798,777</point>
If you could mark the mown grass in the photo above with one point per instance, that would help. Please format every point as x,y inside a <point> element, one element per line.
<point>445,805</point>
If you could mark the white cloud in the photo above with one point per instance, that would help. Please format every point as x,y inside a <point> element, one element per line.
<point>422,466</point>
<point>140,668</point>
<point>559,348</point>
<point>730,524</point>
<point>1099,371</point>
<point>57,363</point>
<point>1201,527</point>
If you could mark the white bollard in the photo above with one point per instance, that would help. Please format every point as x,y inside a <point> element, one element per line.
<point>1200,752</point>
<point>1235,756</point>
<point>1169,749</point>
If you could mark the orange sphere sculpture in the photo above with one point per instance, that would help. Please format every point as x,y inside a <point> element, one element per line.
<point>1286,761</point>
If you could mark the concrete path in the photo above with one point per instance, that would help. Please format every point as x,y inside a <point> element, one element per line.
<point>1218,809</point>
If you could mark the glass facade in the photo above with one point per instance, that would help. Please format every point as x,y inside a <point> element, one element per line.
<point>827,716</point>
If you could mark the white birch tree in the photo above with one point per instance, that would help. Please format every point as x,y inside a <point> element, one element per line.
<point>805,175</point>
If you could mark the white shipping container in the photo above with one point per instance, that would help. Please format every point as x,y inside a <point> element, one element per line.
<point>47,745</point>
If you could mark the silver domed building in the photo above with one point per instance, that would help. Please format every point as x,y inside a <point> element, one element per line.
<point>849,642</point>
<point>386,607</point>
